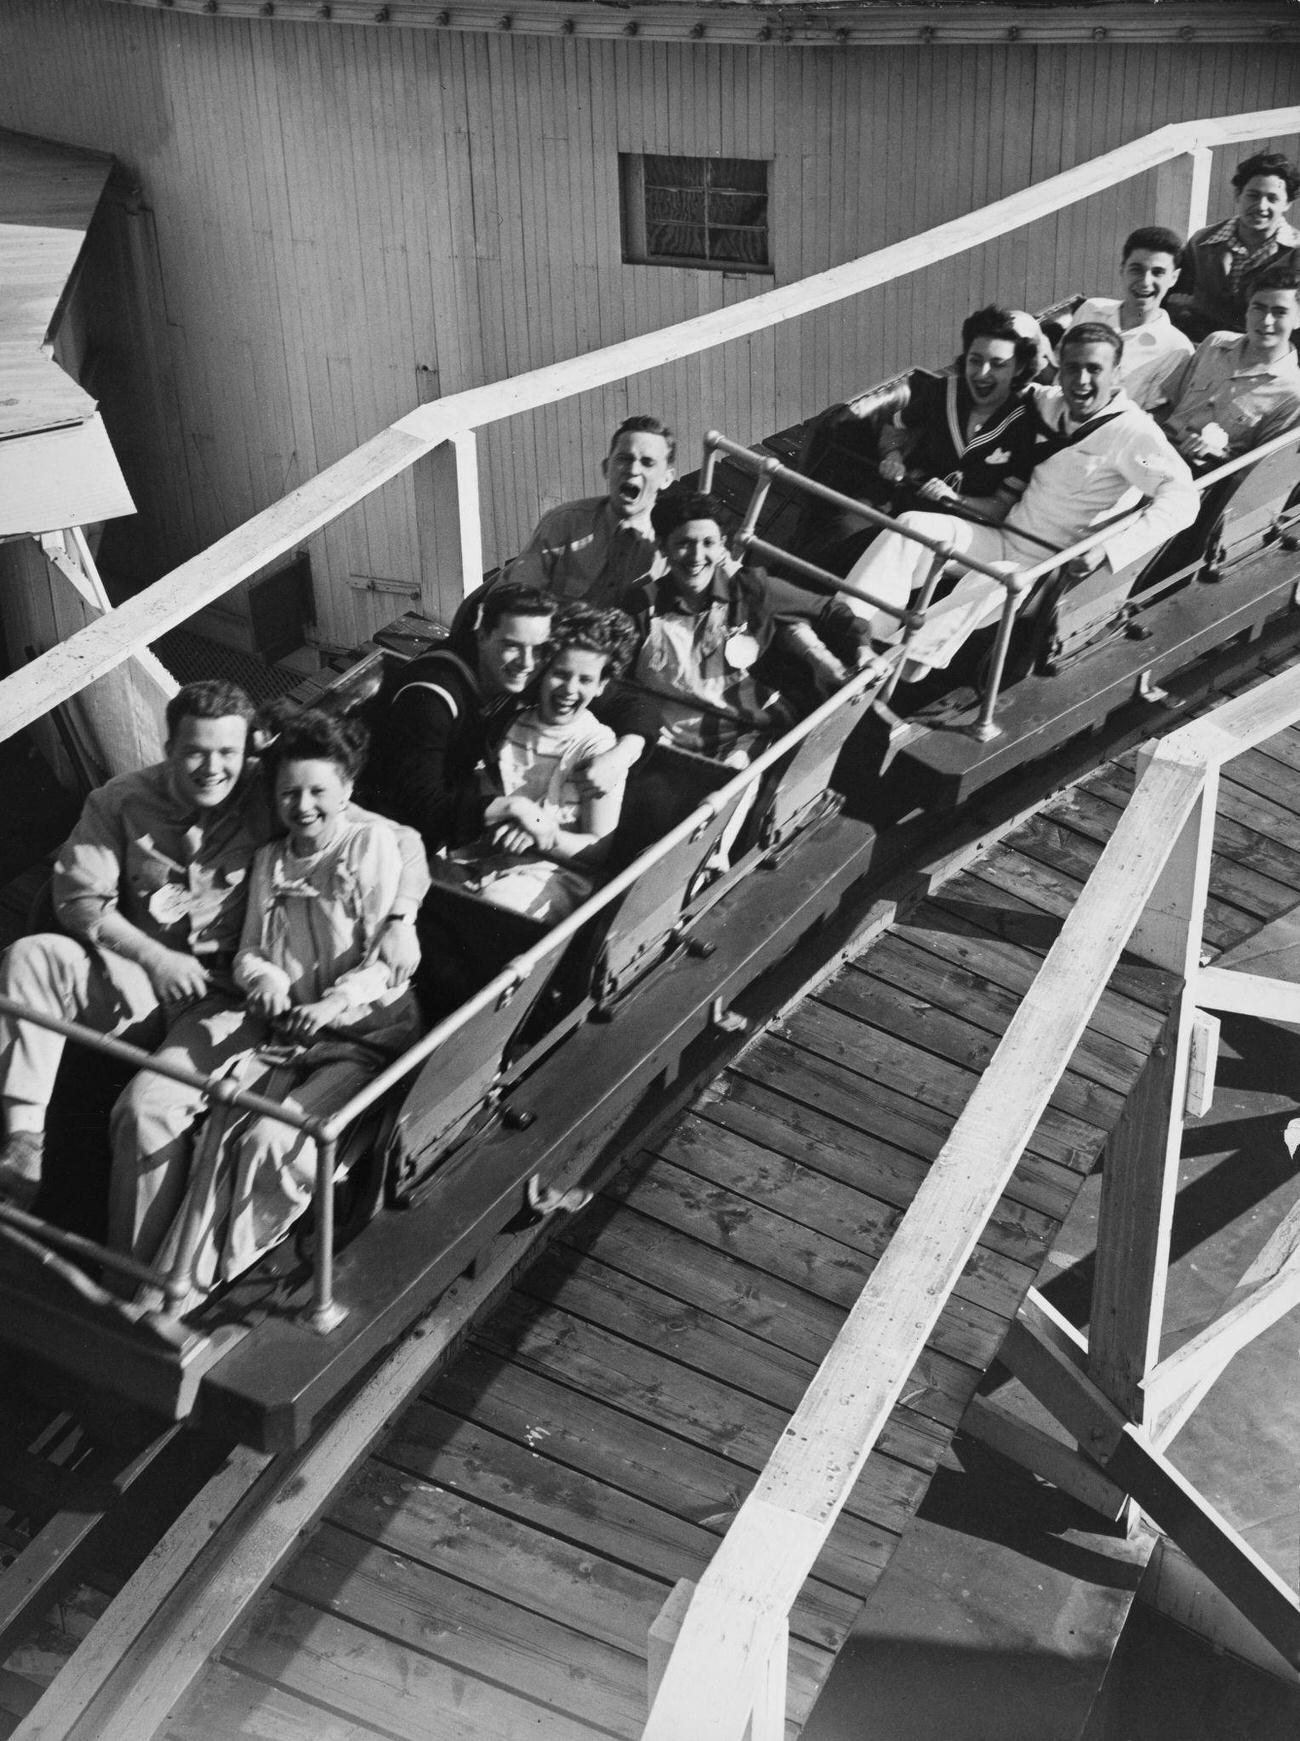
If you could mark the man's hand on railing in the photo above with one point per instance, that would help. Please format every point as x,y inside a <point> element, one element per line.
<point>399,946</point>
<point>176,978</point>
<point>1204,446</point>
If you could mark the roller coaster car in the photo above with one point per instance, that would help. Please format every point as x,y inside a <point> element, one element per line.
<point>530,1081</point>
<point>1081,650</point>
<point>462,1148</point>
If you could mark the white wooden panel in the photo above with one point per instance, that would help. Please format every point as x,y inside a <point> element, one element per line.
<point>62,477</point>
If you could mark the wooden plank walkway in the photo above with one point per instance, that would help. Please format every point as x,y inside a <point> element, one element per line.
<point>495,1567</point>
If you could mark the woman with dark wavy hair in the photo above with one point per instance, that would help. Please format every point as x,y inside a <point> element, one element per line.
<point>963,441</point>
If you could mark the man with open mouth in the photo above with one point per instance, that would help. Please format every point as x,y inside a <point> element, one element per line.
<point>592,550</point>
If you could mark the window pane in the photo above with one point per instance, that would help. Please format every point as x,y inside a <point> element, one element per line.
<point>675,205</point>
<point>746,246</point>
<point>680,241</point>
<point>737,208</point>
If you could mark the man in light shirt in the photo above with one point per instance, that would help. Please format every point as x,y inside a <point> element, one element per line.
<point>593,549</point>
<point>1240,389</point>
<point>1099,457</point>
<point>1154,349</point>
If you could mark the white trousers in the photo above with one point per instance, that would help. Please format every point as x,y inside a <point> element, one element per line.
<point>895,569</point>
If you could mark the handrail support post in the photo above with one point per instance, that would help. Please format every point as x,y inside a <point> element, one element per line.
<point>448,523</point>
<point>1140,1176</point>
<point>984,727</point>
<point>1182,197</point>
<point>325,1313</point>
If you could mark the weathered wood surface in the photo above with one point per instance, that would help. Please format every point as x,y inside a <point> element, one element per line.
<point>48,195</point>
<point>521,1527</point>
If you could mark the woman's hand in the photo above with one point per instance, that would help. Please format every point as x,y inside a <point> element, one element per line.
<point>935,490</point>
<point>304,1020</point>
<point>892,468</point>
<point>269,1002</point>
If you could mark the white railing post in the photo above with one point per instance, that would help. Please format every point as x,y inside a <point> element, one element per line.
<point>449,524</point>
<point>1182,199</point>
<point>1140,1174</point>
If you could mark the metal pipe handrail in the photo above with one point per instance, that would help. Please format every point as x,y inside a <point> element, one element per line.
<point>1016,582</point>
<point>764,464</point>
<point>1096,535</point>
<point>215,1087</point>
<point>80,1246</point>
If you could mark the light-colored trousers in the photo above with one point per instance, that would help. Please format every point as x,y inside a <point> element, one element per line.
<point>61,977</point>
<point>895,569</point>
<point>153,1116</point>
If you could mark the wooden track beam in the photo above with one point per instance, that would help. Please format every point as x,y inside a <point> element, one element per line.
<point>1022,1442</point>
<point>1248,994</point>
<point>1048,1355</point>
<point>1267,1292</point>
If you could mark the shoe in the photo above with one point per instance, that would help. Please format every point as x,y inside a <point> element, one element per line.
<point>21,1156</point>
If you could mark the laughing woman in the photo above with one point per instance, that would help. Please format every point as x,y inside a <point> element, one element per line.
<point>964,441</point>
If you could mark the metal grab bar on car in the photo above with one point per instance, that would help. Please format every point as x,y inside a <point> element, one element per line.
<point>773,470</point>
<point>216,1089</point>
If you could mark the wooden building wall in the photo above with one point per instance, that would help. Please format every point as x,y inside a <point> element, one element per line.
<point>335,223</point>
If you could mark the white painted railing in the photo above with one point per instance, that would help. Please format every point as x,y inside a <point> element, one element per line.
<point>445,429</point>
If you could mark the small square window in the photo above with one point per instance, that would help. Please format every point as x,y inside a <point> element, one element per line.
<point>695,211</point>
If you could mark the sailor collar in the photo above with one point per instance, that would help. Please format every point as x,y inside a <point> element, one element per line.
<point>959,402</point>
<point>1054,419</point>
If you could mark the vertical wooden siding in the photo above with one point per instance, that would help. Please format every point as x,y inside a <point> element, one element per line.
<point>339,223</point>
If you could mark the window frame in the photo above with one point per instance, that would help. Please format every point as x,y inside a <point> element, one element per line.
<point>635,226</point>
